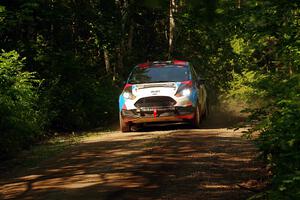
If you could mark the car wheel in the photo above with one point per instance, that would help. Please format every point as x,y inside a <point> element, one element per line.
<point>197,118</point>
<point>124,127</point>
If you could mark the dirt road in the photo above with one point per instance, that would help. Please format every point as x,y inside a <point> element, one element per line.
<point>172,162</point>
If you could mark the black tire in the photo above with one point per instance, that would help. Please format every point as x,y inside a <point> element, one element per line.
<point>124,127</point>
<point>197,118</point>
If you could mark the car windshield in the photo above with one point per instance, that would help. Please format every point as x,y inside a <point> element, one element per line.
<point>154,74</point>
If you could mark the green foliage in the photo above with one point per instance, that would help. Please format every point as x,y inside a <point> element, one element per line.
<point>279,140</point>
<point>242,87</point>
<point>83,103</point>
<point>249,50</point>
<point>266,77</point>
<point>20,121</point>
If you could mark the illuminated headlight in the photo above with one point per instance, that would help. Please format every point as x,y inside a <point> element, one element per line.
<point>126,95</point>
<point>186,92</point>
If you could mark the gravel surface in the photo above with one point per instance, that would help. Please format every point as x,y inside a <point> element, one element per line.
<point>164,162</point>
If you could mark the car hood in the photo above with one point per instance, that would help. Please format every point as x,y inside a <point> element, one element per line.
<point>155,89</point>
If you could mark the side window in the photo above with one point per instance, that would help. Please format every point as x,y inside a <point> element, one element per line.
<point>194,74</point>
<point>200,88</point>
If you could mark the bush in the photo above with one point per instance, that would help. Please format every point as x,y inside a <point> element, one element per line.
<point>276,117</point>
<point>280,137</point>
<point>83,104</point>
<point>80,96</point>
<point>20,120</point>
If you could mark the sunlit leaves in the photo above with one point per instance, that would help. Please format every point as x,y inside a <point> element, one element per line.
<point>21,121</point>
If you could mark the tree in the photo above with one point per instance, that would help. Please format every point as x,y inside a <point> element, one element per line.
<point>21,121</point>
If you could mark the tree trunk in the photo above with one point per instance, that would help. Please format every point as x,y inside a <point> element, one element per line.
<point>239,2</point>
<point>73,27</point>
<point>130,36</point>
<point>106,60</point>
<point>171,27</point>
<point>290,70</point>
<point>123,6</point>
<point>120,57</point>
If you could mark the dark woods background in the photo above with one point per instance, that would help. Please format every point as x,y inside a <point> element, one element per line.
<point>62,65</point>
<point>81,51</point>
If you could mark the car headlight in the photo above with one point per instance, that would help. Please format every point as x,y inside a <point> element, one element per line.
<point>186,92</point>
<point>126,95</point>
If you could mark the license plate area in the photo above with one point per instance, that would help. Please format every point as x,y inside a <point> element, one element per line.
<point>157,109</point>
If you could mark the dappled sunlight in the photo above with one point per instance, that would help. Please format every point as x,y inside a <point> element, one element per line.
<point>12,190</point>
<point>143,165</point>
<point>214,186</point>
<point>77,181</point>
<point>30,177</point>
<point>86,180</point>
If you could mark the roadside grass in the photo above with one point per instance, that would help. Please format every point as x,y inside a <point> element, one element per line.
<point>32,158</point>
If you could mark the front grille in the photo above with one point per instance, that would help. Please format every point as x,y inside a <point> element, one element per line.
<point>157,101</point>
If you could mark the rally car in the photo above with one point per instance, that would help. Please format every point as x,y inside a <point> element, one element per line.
<point>169,91</point>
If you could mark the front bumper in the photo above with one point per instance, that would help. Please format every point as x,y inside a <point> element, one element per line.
<point>159,114</point>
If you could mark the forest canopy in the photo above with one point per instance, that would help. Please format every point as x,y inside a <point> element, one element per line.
<point>62,64</point>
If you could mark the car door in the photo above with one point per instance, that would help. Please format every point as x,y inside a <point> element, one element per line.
<point>200,89</point>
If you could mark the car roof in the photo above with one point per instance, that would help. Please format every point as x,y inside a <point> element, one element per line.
<point>162,63</point>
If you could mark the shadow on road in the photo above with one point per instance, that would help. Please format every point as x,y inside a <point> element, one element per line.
<point>216,120</point>
<point>165,164</point>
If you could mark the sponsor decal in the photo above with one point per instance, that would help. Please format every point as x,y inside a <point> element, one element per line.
<point>155,92</point>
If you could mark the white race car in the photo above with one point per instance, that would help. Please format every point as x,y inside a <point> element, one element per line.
<point>169,91</point>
